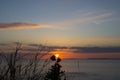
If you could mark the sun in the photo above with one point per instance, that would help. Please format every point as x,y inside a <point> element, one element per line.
<point>56,55</point>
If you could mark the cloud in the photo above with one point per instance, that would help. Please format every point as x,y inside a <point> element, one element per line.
<point>21,25</point>
<point>81,17</point>
<point>86,17</point>
<point>96,49</point>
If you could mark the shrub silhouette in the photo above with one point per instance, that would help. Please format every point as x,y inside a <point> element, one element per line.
<point>55,73</point>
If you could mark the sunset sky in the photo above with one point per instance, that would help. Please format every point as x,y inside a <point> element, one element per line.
<point>69,23</point>
<point>61,22</point>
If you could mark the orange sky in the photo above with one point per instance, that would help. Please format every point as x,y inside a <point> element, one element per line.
<point>66,54</point>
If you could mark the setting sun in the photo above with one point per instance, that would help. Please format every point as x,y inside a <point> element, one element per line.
<point>56,55</point>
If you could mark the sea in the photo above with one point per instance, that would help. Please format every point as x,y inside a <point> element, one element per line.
<point>91,69</point>
<point>76,69</point>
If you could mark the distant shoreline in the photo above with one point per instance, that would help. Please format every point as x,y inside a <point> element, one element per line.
<point>93,59</point>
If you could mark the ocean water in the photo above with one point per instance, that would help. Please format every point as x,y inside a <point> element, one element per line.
<point>91,69</point>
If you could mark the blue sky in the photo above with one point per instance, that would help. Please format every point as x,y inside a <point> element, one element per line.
<point>61,22</point>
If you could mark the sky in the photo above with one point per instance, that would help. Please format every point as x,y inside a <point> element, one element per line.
<point>61,22</point>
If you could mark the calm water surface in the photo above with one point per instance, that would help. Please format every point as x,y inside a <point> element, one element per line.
<point>92,69</point>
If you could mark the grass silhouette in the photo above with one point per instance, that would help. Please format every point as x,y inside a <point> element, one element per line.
<point>13,66</point>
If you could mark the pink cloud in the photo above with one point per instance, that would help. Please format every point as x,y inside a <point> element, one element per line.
<point>21,25</point>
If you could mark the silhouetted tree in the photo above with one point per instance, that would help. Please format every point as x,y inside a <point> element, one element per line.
<point>55,73</point>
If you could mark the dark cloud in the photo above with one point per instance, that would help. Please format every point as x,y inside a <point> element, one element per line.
<point>20,25</point>
<point>3,44</point>
<point>96,49</point>
<point>34,47</point>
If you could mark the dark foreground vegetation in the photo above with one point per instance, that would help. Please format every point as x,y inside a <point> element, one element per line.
<point>18,66</point>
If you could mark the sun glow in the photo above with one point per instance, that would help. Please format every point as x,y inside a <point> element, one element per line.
<point>61,53</point>
<point>57,55</point>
